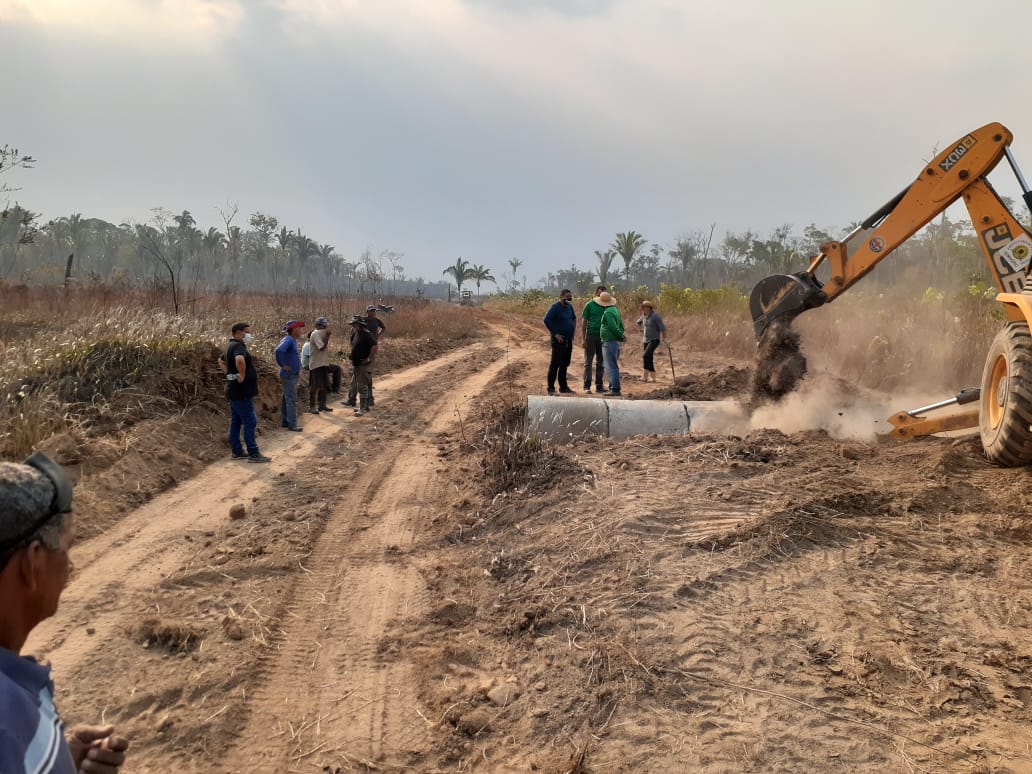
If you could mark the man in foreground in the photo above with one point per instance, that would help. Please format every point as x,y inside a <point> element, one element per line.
<point>36,532</point>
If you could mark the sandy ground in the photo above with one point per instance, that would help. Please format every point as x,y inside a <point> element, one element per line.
<point>769,602</point>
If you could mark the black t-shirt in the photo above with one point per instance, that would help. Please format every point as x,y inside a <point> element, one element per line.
<point>376,327</point>
<point>362,343</point>
<point>236,390</point>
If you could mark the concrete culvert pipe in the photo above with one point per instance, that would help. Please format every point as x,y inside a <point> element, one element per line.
<point>560,419</point>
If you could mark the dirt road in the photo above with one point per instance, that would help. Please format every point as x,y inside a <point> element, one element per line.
<point>185,623</point>
<point>779,602</point>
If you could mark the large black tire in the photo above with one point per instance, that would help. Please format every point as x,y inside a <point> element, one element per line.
<point>1005,418</point>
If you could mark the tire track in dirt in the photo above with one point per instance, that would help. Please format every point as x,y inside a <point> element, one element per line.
<point>742,695</point>
<point>337,696</point>
<point>117,569</point>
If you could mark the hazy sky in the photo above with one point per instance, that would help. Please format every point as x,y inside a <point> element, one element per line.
<point>492,129</point>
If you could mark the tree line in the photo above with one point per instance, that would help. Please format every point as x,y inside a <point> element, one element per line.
<point>261,254</point>
<point>253,254</point>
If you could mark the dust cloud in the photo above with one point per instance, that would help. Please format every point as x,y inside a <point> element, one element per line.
<point>824,403</point>
<point>839,408</point>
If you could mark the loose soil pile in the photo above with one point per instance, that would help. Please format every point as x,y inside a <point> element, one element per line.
<point>780,363</point>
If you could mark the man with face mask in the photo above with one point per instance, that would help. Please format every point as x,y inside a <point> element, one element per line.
<point>561,322</point>
<point>36,532</point>
<point>241,389</point>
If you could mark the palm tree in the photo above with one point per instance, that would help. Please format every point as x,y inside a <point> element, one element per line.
<point>628,245</point>
<point>460,272</point>
<point>74,231</point>
<point>306,248</point>
<point>184,221</point>
<point>514,264</point>
<point>605,263</point>
<point>213,240</point>
<point>480,274</point>
<point>284,237</point>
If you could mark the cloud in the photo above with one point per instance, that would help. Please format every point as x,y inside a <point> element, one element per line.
<point>534,128</point>
<point>575,8</point>
<point>113,19</point>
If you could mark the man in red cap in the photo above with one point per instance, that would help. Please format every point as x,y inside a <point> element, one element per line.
<point>288,357</point>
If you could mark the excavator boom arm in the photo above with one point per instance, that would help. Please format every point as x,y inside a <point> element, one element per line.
<point>957,172</point>
<point>939,185</point>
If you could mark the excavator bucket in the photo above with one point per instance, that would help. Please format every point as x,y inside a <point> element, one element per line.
<point>781,297</point>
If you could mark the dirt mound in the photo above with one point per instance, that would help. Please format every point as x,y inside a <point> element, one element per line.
<point>714,384</point>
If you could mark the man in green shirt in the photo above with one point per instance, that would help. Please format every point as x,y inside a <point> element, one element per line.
<point>611,331</point>
<point>591,319</point>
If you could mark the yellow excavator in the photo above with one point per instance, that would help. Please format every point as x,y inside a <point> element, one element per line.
<point>1004,415</point>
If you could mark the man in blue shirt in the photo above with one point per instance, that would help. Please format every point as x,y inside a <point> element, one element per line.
<point>36,532</point>
<point>561,322</point>
<point>288,357</point>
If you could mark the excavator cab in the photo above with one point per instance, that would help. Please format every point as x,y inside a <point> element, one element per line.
<point>1004,416</point>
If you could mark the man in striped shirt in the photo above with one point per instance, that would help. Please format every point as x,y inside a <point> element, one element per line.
<point>36,533</point>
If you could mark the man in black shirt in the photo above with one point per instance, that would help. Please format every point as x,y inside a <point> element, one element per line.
<point>363,353</point>
<point>241,389</point>
<point>375,327</point>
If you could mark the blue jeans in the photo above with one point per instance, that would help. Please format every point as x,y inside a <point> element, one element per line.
<point>611,358</point>
<point>288,405</point>
<point>242,415</point>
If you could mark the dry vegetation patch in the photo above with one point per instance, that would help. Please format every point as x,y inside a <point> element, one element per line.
<point>131,398</point>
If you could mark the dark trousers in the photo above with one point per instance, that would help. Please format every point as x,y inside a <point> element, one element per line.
<point>362,384</point>
<point>650,349</point>
<point>318,381</point>
<point>334,375</point>
<point>242,415</point>
<point>353,392</point>
<point>593,351</point>
<point>560,362</point>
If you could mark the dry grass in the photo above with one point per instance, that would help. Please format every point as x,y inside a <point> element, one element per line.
<point>76,357</point>
<point>173,636</point>
<point>509,458</point>
<point>894,340</point>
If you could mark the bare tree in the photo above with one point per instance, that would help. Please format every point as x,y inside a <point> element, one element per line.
<point>154,241</point>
